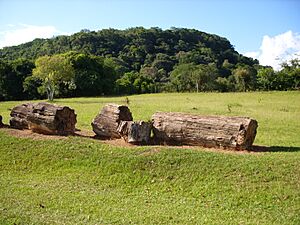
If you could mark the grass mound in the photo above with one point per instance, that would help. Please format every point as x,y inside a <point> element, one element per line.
<point>76,180</point>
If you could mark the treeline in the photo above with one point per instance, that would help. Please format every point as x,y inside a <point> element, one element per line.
<point>139,60</point>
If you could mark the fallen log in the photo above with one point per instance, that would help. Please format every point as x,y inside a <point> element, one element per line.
<point>44,118</point>
<point>106,123</point>
<point>52,119</point>
<point>135,132</point>
<point>19,114</point>
<point>208,131</point>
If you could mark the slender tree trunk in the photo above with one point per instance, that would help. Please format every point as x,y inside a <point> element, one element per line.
<point>50,91</point>
<point>197,86</point>
<point>51,96</point>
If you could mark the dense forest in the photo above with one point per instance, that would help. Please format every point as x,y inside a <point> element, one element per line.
<point>134,61</point>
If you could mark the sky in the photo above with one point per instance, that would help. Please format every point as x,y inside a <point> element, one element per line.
<point>268,30</point>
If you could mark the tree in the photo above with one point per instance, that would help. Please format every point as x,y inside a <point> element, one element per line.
<point>181,77</point>
<point>22,68</point>
<point>224,84</point>
<point>124,85</point>
<point>88,74</point>
<point>245,78</point>
<point>30,86</point>
<point>53,70</point>
<point>291,71</point>
<point>5,70</point>
<point>12,76</point>
<point>203,76</point>
<point>266,78</point>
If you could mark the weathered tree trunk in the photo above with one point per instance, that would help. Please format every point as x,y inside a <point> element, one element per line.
<point>52,119</point>
<point>135,132</point>
<point>106,123</point>
<point>208,131</point>
<point>44,118</point>
<point>19,116</point>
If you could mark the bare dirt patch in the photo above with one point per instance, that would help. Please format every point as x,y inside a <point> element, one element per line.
<point>153,149</point>
<point>31,135</point>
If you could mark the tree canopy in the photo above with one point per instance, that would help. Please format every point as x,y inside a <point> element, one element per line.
<point>53,71</point>
<point>135,60</point>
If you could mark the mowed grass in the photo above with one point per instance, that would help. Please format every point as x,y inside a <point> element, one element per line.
<point>85,181</point>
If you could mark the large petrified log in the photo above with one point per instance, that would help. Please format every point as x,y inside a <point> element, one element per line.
<point>52,119</point>
<point>19,116</point>
<point>106,123</point>
<point>209,131</point>
<point>44,118</point>
<point>135,132</point>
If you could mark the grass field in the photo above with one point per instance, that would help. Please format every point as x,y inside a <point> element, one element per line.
<point>85,181</point>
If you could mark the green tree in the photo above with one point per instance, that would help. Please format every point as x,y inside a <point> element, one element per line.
<point>22,68</point>
<point>203,76</point>
<point>266,78</point>
<point>12,75</point>
<point>125,85</point>
<point>291,74</point>
<point>5,71</point>
<point>88,74</point>
<point>245,78</point>
<point>31,85</point>
<point>53,70</point>
<point>187,77</point>
<point>224,84</point>
<point>181,77</point>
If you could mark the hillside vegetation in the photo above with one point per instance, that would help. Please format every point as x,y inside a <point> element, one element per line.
<point>135,61</point>
<point>78,180</point>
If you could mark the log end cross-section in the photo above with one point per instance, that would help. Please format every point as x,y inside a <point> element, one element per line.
<point>106,123</point>
<point>52,119</point>
<point>44,118</point>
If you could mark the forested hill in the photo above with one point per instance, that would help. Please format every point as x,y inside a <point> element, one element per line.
<point>135,60</point>
<point>136,47</point>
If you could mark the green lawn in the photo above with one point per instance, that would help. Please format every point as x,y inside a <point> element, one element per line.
<point>84,181</point>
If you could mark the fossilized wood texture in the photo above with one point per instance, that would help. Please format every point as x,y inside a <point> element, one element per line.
<point>44,118</point>
<point>135,132</point>
<point>19,116</point>
<point>208,131</point>
<point>106,123</point>
<point>52,119</point>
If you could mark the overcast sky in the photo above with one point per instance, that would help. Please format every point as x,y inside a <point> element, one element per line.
<point>268,30</point>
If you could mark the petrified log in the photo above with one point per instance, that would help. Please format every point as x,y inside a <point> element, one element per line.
<point>52,119</point>
<point>106,123</point>
<point>44,118</point>
<point>208,131</point>
<point>135,132</point>
<point>19,116</point>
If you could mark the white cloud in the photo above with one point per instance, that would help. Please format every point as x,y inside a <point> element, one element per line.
<point>275,50</point>
<point>21,33</point>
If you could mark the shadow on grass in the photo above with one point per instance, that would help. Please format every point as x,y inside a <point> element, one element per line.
<point>256,148</point>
